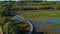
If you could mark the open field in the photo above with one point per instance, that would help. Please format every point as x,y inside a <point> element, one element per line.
<point>40,13</point>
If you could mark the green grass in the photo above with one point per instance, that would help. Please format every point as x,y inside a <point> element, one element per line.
<point>41,13</point>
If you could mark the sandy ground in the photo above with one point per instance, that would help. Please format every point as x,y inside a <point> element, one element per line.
<point>1,30</point>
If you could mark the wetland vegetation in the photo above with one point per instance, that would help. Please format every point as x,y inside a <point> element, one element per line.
<point>31,10</point>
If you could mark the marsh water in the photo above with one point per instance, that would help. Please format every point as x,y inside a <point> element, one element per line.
<point>40,22</point>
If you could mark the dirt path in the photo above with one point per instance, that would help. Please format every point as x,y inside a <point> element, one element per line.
<point>1,30</point>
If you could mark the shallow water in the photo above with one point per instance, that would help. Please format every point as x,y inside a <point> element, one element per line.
<point>52,19</point>
<point>41,20</point>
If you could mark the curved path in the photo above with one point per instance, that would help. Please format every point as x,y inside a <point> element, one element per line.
<point>31,26</point>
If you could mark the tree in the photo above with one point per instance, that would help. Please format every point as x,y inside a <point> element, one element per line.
<point>5,18</point>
